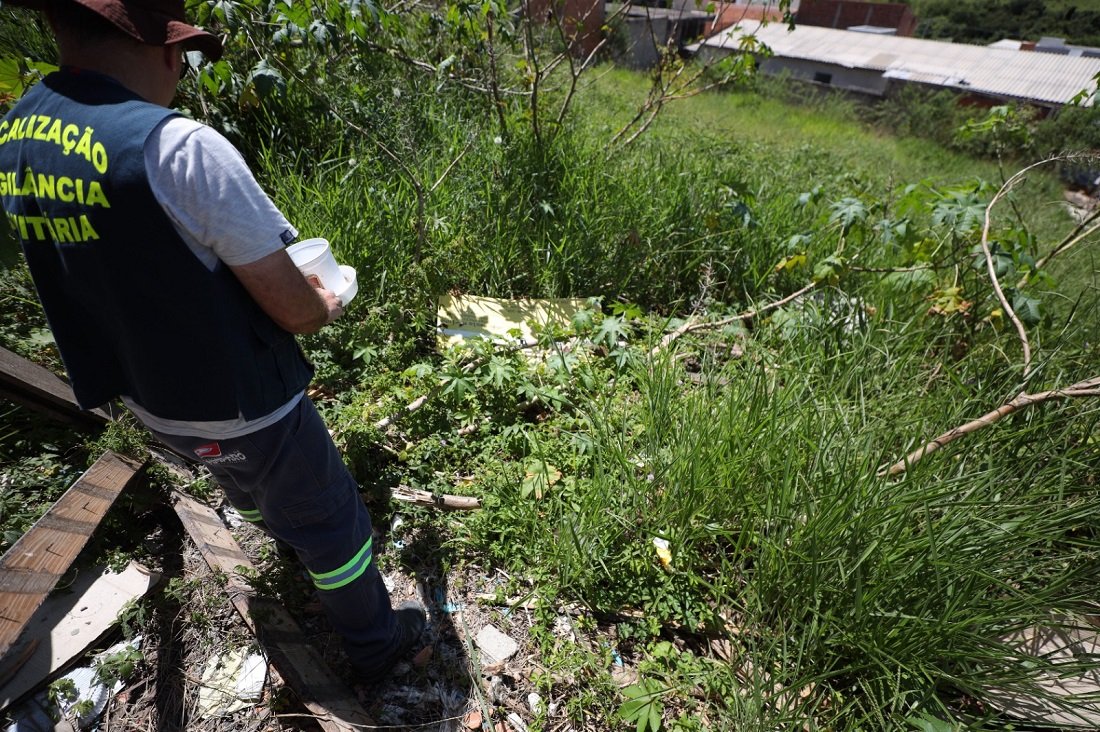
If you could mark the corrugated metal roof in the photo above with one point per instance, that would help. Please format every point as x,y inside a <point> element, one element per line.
<point>1029,75</point>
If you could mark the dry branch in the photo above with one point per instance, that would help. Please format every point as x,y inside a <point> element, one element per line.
<point>444,501</point>
<point>1086,388</point>
<point>691,325</point>
<point>1071,239</point>
<point>1021,332</point>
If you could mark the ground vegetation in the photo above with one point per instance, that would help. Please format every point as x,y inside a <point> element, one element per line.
<point>687,513</point>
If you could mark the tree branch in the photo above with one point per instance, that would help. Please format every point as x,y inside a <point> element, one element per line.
<point>991,268</point>
<point>692,325</point>
<point>498,103</point>
<point>1086,388</point>
<point>1071,240</point>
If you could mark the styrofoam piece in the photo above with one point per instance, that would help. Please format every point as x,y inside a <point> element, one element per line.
<point>495,646</point>
<point>313,257</point>
<point>32,715</point>
<point>231,682</point>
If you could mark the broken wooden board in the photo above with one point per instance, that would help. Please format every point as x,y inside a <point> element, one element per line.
<point>32,566</point>
<point>1066,691</point>
<point>68,624</point>
<point>27,383</point>
<point>465,316</point>
<point>332,703</point>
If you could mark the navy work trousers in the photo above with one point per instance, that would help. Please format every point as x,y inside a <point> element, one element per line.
<point>290,479</point>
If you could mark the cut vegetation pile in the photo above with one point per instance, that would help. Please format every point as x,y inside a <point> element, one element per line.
<point>686,519</point>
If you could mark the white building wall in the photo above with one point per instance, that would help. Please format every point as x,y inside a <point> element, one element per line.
<point>858,80</point>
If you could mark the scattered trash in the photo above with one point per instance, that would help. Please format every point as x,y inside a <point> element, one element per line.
<point>232,682</point>
<point>495,645</point>
<point>624,676</point>
<point>78,698</point>
<point>498,320</point>
<point>664,553</point>
<point>443,604</point>
<point>563,628</point>
<point>67,624</point>
<point>33,715</point>
<point>473,719</point>
<point>395,529</point>
<point>496,692</point>
<point>534,703</point>
<point>388,582</point>
<point>231,517</point>
<point>517,722</point>
<point>616,658</point>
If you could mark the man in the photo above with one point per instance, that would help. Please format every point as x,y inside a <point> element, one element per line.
<point>161,268</point>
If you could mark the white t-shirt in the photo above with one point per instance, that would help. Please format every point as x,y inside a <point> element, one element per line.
<point>190,165</point>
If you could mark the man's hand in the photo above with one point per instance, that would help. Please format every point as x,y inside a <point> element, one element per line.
<point>335,307</point>
<point>286,296</point>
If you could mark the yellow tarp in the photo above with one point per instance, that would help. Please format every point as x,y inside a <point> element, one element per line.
<point>467,316</point>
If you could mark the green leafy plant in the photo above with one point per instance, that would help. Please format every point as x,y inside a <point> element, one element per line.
<point>643,707</point>
<point>118,666</point>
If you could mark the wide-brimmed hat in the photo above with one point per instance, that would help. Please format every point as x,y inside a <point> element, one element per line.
<point>155,22</point>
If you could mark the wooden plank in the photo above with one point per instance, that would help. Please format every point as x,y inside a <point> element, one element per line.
<point>27,383</point>
<point>32,566</point>
<point>334,706</point>
<point>68,624</point>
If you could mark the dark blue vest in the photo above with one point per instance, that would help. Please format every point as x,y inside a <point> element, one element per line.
<point>132,309</point>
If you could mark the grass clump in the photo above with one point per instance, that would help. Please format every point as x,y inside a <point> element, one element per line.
<point>707,513</point>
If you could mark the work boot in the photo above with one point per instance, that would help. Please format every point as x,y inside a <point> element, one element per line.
<point>411,620</point>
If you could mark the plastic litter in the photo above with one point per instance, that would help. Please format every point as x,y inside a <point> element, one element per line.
<point>443,604</point>
<point>232,518</point>
<point>231,682</point>
<point>664,552</point>
<point>91,697</point>
<point>395,529</point>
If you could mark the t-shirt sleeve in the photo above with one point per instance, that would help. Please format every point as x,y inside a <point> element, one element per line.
<point>210,195</point>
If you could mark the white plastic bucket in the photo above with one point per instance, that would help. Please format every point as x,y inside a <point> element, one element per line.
<point>314,257</point>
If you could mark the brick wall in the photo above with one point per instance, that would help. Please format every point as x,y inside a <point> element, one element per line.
<point>846,13</point>
<point>733,13</point>
<point>581,19</point>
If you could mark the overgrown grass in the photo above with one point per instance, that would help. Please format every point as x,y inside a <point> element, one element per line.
<point>803,591</point>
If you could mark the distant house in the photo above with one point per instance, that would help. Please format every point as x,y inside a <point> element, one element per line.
<point>845,14</point>
<point>872,63</point>
<point>646,30</point>
<point>728,13</point>
<point>582,21</point>
<point>1049,44</point>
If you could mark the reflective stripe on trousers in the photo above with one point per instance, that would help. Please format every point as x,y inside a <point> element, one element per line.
<point>290,479</point>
